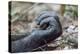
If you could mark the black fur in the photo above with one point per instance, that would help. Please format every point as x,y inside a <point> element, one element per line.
<point>37,37</point>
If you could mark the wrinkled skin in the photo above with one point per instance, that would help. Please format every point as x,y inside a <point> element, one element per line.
<point>38,36</point>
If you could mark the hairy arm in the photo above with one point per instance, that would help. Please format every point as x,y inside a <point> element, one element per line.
<point>37,37</point>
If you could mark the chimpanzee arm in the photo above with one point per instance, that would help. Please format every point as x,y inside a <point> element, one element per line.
<point>37,37</point>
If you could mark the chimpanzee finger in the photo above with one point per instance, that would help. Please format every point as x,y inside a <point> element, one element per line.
<point>44,15</point>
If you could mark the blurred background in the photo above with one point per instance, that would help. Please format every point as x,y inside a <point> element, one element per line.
<point>23,15</point>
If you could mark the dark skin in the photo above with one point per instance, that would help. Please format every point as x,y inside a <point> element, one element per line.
<point>38,37</point>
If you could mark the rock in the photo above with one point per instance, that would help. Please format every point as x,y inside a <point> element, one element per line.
<point>71,29</point>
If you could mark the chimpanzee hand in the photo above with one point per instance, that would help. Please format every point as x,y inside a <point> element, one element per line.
<point>53,29</point>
